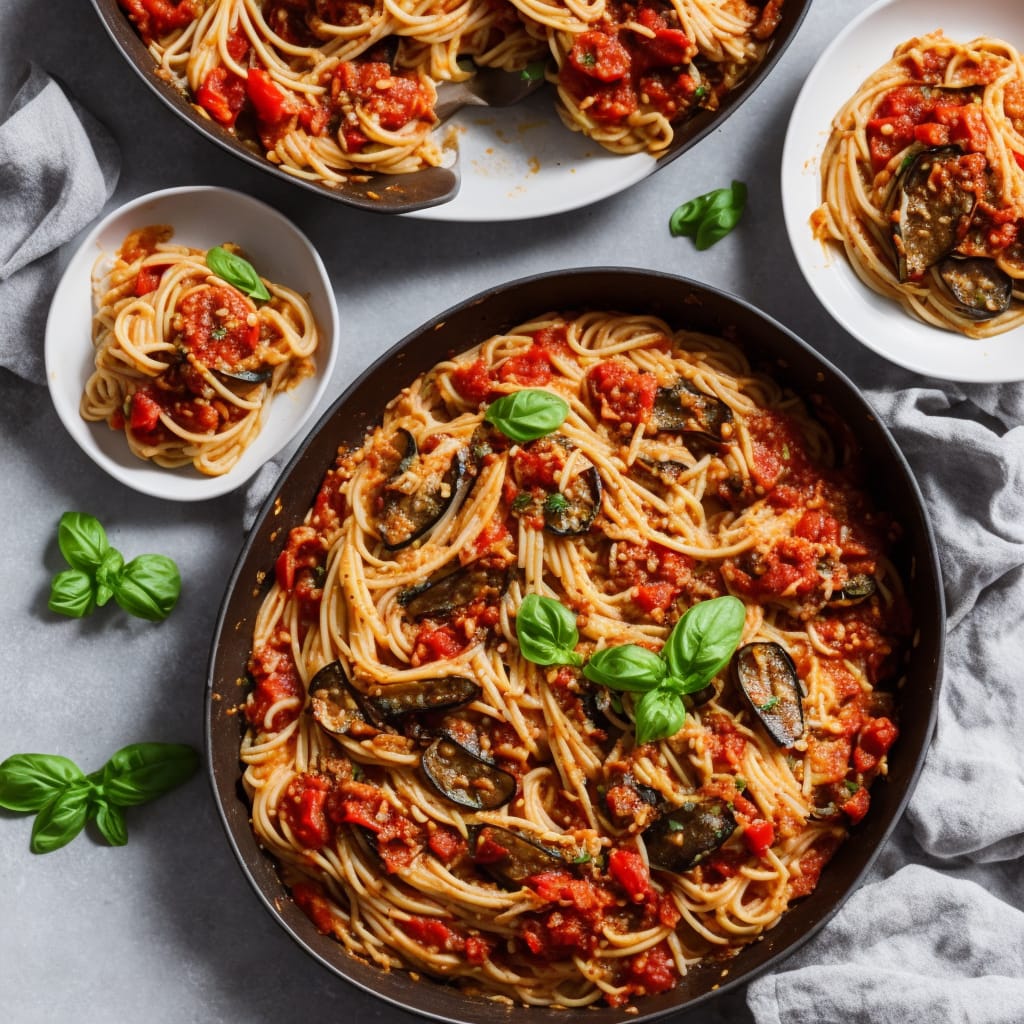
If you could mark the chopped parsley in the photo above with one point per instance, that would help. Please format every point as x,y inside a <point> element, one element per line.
<point>556,502</point>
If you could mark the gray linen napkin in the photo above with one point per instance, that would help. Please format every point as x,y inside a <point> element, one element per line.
<point>58,167</point>
<point>925,943</point>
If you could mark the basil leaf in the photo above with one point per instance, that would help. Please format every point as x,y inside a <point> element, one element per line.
<point>72,593</point>
<point>710,217</point>
<point>29,781</point>
<point>703,640</point>
<point>626,667</point>
<point>82,540</point>
<point>148,587</point>
<point>107,574</point>
<point>659,714</point>
<point>237,271</point>
<point>110,821</point>
<point>534,71</point>
<point>59,821</point>
<point>547,632</point>
<point>528,414</point>
<point>144,771</point>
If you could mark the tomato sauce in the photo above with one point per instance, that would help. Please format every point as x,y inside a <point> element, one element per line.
<point>614,69</point>
<point>275,677</point>
<point>219,326</point>
<point>621,393</point>
<point>929,116</point>
<point>155,18</point>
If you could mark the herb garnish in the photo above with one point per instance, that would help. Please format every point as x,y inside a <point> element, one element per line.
<point>148,586</point>
<point>534,71</point>
<point>527,414</point>
<point>699,646</point>
<point>547,632</point>
<point>63,798</point>
<point>710,217</point>
<point>237,271</point>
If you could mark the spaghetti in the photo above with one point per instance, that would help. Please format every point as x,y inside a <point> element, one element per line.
<point>440,800</point>
<point>923,183</point>
<point>186,363</point>
<point>328,89</point>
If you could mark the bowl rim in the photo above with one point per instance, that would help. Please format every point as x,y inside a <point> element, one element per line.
<point>926,567</point>
<point>366,195</point>
<point>167,484</point>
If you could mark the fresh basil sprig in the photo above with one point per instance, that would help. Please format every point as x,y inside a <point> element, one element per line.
<point>236,271</point>
<point>710,217</point>
<point>547,632</point>
<point>527,414</point>
<point>148,586</point>
<point>698,648</point>
<point>63,798</point>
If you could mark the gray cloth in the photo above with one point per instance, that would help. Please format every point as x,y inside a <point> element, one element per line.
<point>58,167</point>
<point>924,942</point>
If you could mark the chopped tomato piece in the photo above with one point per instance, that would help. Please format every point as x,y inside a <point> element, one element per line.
<point>222,95</point>
<point>600,55</point>
<point>429,931</point>
<point>627,867</point>
<point>759,836</point>
<point>473,382</point>
<point>653,970</point>
<point>874,741</point>
<point>311,901</point>
<point>303,809</point>
<point>857,806</point>
<point>271,102</point>
<point>148,280</point>
<point>145,412</point>
<point>446,844</point>
<point>155,18</point>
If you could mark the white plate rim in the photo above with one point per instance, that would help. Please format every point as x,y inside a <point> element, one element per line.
<point>879,323</point>
<point>67,370</point>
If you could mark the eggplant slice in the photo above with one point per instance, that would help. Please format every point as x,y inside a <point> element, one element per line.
<point>767,676</point>
<point>980,288</point>
<point>339,707</point>
<point>510,858</point>
<point>680,840</point>
<point>570,512</point>
<point>441,595</point>
<point>657,474</point>
<point>421,696</point>
<point>246,376</point>
<point>929,210</point>
<point>407,517</point>
<point>465,778</point>
<point>682,409</point>
<point>857,588</point>
<point>343,710</point>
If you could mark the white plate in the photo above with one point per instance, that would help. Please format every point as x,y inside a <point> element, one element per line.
<point>201,217</point>
<point>522,162</point>
<point>880,324</point>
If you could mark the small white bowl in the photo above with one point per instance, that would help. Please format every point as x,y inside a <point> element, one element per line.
<point>881,324</point>
<point>202,216</point>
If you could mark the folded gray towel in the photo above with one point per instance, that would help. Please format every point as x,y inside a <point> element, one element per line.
<point>58,168</point>
<point>918,948</point>
<point>924,943</point>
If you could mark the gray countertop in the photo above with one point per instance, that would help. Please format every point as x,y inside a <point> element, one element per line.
<point>166,929</point>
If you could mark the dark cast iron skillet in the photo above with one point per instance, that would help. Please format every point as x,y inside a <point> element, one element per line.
<point>683,304</point>
<point>404,193</point>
